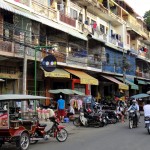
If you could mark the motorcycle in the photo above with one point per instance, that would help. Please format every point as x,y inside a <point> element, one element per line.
<point>88,119</point>
<point>133,121</point>
<point>112,117</point>
<point>57,131</point>
<point>147,123</point>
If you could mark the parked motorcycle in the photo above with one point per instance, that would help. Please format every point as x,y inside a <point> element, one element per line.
<point>112,117</point>
<point>57,131</point>
<point>147,123</point>
<point>88,119</point>
<point>133,121</point>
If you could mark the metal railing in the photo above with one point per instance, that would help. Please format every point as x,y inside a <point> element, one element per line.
<point>44,10</point>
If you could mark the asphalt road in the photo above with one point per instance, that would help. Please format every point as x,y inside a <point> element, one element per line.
<point>111,137</point>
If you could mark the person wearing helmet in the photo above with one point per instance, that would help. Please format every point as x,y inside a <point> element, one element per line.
<point>135,107</point>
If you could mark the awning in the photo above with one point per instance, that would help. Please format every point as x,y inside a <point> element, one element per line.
<point>57,73</point>
<point>8,7</point>
<point>121,85</point>
<point>84,77</point>
<point>63,28</point>
<point>132,85</point>
<point>141,82</point>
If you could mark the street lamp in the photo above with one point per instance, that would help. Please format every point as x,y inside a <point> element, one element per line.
<point>37,48</point>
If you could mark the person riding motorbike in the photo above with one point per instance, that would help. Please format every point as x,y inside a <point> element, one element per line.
<point>135,107</point>
<point>146,109</point>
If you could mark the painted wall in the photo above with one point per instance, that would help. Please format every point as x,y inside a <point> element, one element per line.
<point>114,62</point>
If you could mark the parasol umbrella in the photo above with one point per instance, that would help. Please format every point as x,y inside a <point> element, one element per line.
<point>66,91</point>
<point>148,92</point>
<point>141,95</point>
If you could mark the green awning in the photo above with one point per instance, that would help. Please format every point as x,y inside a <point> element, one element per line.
<point>141,82</point>
<point>132,85</point>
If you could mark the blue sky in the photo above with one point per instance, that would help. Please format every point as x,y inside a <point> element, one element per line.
<point>140,6</point>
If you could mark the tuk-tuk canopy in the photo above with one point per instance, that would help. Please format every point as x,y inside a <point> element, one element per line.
<point>18,97</point>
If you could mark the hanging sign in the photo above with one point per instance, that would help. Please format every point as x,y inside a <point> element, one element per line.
<point>49,63</point>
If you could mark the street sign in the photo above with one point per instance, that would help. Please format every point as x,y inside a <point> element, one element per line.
<point>49,63</point>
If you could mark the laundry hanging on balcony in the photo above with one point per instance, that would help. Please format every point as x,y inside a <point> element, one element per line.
<point>143,49</point>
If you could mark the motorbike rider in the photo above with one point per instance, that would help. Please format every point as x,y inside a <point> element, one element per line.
<point>135,107</point>
<point>146,109</point>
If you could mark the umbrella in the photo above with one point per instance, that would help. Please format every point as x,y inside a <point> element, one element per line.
<point>66,91</point>
<point>148,92</point>
<point>142,95</point>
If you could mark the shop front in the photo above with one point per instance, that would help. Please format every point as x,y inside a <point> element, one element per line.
<point>82,81</point>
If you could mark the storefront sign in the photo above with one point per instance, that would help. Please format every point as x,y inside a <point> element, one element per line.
<point>49,63</point>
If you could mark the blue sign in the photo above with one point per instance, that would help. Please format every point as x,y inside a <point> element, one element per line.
<point>49,63</point>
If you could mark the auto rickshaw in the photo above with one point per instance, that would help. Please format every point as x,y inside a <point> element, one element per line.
<point>15,125</point>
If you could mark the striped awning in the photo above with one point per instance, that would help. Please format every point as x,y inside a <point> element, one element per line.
<point>57,73</point>
<point>120,84</point>
<point>17,10</point>
<point>132,85</point>
<point>141,82</point>
<point>84,77</point>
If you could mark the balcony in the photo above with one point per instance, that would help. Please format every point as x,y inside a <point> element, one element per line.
<point>67,19</point>
<point>44,10</point>
<point>116,42</point>
<point>133,24</point>
<point>9,72</point>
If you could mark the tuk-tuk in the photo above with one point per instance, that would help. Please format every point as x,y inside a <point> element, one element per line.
<point>15,126</point>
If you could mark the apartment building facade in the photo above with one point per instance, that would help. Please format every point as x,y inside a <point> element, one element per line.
<point>98,44</point>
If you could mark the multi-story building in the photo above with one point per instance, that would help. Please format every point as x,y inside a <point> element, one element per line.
<point>101,46</point>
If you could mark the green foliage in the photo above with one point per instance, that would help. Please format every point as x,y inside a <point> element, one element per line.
<point>147,18</point>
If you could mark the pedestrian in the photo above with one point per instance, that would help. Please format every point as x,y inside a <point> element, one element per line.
<point>120,112</point>
<point>61,108</point>
<point>70,111</point>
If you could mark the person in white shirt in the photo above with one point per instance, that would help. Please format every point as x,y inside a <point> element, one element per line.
<point>146,109</point>
<point>135,107</point>
<point>71,111</point>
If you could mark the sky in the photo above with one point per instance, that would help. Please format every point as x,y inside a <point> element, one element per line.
<point>140,6</point>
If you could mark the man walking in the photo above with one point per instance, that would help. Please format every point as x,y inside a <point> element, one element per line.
<point>61,108</point>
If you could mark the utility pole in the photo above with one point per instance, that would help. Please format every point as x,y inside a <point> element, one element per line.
<point>124,70</point>
<point>24,103</point>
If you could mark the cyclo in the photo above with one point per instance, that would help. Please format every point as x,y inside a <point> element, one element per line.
<point>16,126</point>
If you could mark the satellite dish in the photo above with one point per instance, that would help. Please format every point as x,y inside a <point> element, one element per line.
<point>49,63</point>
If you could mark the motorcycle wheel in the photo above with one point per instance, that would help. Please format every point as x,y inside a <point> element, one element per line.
<point>101,124</point>
<point>62,135</point>
<point>23,142</point>
<point>76,122</point>
<point>130,124</point>
<point>114,120</point>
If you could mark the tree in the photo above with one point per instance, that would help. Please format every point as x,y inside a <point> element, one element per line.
<point>147,19</point>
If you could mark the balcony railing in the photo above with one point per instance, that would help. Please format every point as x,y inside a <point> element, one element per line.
<point>44,10</point>
<point>67,19</point>
<point>116,42</point>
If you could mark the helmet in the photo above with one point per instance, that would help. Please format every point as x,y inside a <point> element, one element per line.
<point>134,101</point>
